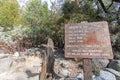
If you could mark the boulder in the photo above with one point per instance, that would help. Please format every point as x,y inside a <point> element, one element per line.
<point>19,76</point>
<point>99,63</point>
<point>117,78</point>
<point>105,75</point>
<point>5,64</point>
<point>2,51</point>
<point>14,76</point>
<point>116,73</point>
<point>33,64</point>
<point>16,54</point>
<point>115,64</point>
<point>2,55</point>
<point>20,68</point>
<point>34,78</point>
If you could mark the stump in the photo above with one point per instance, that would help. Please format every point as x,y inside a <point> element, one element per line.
<point>48,62</point>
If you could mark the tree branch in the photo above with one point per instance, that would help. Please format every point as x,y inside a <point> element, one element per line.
<point>110,4</point>
<point>103,6</point>
<point>116,1</point>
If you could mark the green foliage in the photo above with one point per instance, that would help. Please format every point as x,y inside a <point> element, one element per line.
<point>117,43</point>
<point>73,13</point>
<point>37,17</point>
<point>37,13</point>
<point>8,13</point>
<point>116,56</point>
<point>114,28</point>
<point>38,34</point>
<point>97,71</point>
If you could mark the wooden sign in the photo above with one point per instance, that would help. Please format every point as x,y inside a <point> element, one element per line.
<point>88,40</point>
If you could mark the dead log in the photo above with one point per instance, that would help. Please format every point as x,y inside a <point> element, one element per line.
<point>48,62</point>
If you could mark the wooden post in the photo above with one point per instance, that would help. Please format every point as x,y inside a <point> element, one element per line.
<point>48,62</point>
<point>87,65</point>
<point>43,71</point>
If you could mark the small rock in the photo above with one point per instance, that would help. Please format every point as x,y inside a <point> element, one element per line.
<point>81,76</point>
<point>16,54</point>
<point>105,75</point>
<point>115,64</point>
<point>80,65</point>
<point>34,51</point>
<point>38,53</point>
<point>73,78</point>
<point>100,63</point>
<point>20,60</point>
<point>64,65</point>
<point>64,72</point>
<point>30,52</point>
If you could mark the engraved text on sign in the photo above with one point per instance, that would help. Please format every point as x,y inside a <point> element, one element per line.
<point>88,40</point>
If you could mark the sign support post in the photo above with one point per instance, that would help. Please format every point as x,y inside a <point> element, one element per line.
<point>87,65</point>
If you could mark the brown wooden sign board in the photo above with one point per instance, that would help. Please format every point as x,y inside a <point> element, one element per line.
<point>88,40</point>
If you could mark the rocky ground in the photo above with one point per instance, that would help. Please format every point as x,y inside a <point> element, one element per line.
<point>27,66</point>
